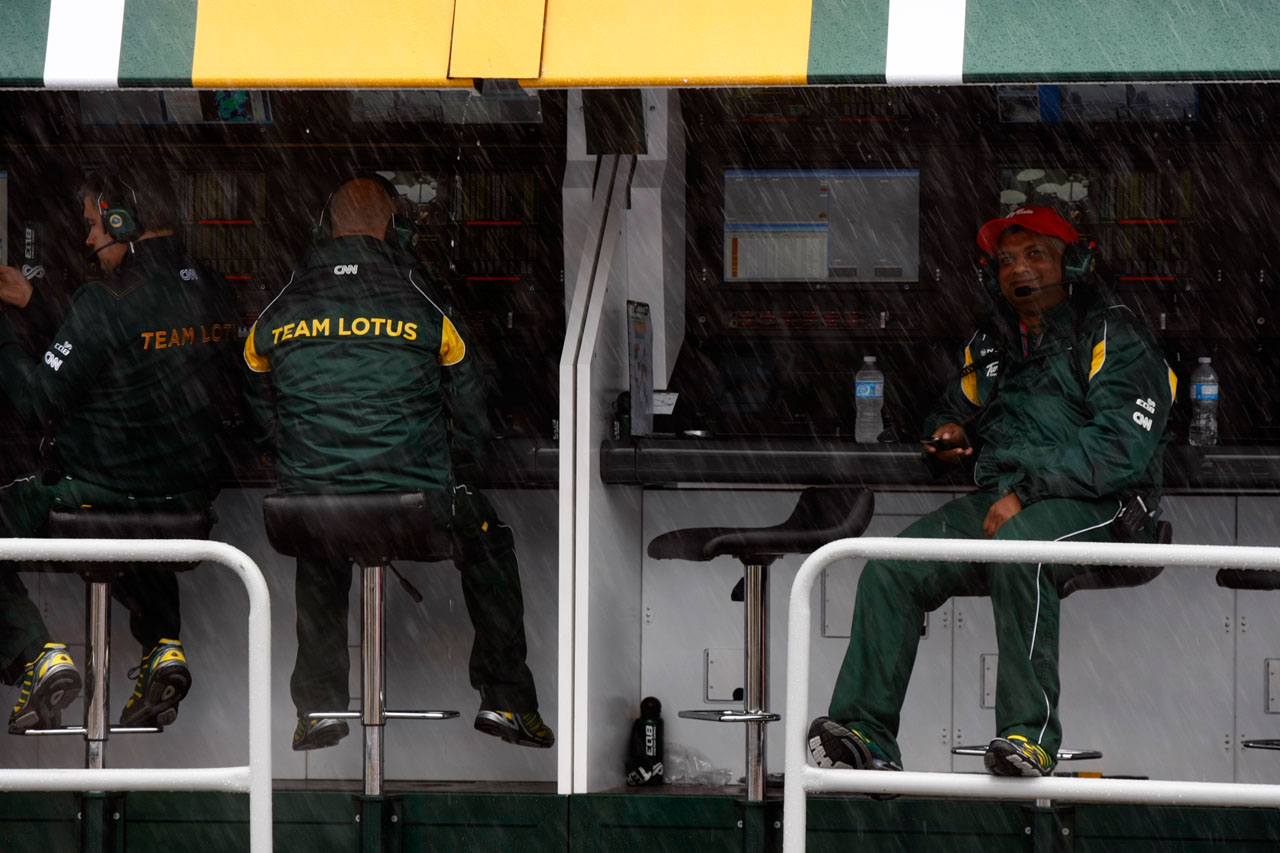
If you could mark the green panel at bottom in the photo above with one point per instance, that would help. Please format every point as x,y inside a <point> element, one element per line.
<point>656,823</point>
<point>845,823</point>
<point>527,823</point>
<point>1147,829</point>
<point>316,822</point>
<point>39,822</point>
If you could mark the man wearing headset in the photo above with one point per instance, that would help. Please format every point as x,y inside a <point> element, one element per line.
<point>366,368</point>
<point>1061,401</point>
<point>131,394</point>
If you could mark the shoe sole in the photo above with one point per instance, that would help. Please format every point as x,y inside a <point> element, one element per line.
<point>821,740</point>
<point>322,739</point>
<point>56,692</point>
<point>506,733</point>
<point>168,686</point>
<point>1014,763</point>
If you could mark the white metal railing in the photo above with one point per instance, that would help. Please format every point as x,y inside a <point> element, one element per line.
<point>255,777</point>
<point>802,778</point>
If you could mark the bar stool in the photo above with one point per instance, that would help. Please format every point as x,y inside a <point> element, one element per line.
<point>136,523</point>
<point>1260,579</point>
<point>820,516</point>
<point>1095,577</point>
<point>370,530</point>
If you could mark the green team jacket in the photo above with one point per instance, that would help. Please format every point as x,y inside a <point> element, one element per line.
<point>1082,415</point>
<point>366,369</point>
<point>138,377</point>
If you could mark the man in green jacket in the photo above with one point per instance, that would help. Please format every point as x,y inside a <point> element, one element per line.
<point>368,374</point>
<point>1061,401</point>
<point>131,395</point>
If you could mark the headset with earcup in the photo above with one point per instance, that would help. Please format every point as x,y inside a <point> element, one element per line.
<point>118,206</point>
<point>1078,260</point>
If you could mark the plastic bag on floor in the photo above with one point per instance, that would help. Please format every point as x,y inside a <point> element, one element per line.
<point>686,766</point>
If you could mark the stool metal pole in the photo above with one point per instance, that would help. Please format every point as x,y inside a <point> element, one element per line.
<point>755,590</point>
<point>98,636</point>
<point>372,701</point>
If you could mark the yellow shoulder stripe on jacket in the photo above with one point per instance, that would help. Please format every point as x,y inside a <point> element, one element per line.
<point>452,349</point>
<point>1099,356</point>
<point>257,363</point>
<point>969,382</point>
<point>1173,384</point>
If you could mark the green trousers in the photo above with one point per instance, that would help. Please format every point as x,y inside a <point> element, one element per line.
<point>490,587</point>
<point>150,595</point>
<point>894,595</point>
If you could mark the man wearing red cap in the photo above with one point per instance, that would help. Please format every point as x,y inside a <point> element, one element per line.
<point>1061,402</point>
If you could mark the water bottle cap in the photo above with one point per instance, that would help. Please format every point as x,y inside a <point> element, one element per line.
<point>1204,359</point>
<point>650,707</point>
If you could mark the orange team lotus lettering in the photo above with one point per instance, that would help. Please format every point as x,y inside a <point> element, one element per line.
<point>187,335</point>
<point>359,327</point>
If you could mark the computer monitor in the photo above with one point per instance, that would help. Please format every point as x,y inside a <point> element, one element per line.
<point>821,225</point>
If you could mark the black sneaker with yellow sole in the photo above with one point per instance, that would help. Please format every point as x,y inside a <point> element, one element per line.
<point>318,734</point>
<point>522,729</point>
<point>49,684</point>
<point>1016,756</point>
<point>162,682</point>
<point>834,746</point>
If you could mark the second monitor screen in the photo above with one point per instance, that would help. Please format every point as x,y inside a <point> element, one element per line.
<point>853,225</point>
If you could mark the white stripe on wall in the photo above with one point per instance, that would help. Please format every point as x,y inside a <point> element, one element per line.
<point>926,42</point>
<point>83,51</point>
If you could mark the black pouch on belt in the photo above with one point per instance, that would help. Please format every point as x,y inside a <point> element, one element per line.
<point>1133,518</point>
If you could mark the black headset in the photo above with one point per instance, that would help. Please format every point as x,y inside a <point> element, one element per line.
<point>118,206</point>
<point>1078,260</point>
<point>399,233</point>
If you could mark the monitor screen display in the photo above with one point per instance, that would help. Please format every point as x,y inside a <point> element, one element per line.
<point>832,225</point>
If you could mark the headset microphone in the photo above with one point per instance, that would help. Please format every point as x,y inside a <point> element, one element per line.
<point>1027,290</point>
<point>94,254</point>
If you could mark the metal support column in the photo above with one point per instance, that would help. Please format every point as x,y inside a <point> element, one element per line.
<point>99,817</point>
<point>756,647</point>
<point>97,605</point>
<point>373,663</point>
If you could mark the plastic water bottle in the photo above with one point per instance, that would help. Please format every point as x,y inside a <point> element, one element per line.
<point>644,755</point>
<point>1204,405</point>
<point>869,397</point>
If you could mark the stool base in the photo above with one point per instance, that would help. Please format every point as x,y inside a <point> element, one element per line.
<point>1262,743</point>
<point>734,716</point>
<point>1063,754</point>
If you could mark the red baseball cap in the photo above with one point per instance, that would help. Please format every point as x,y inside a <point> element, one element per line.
<point>1042,220</point>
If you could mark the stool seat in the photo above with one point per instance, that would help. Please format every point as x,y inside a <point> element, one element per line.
<point>369,529</point>
<point>160,522</point>
<point>1115,577</point>
<point>820,516</point>
<point>134,523</point>
<point>1108,577</point>
<point>1248,578</point>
